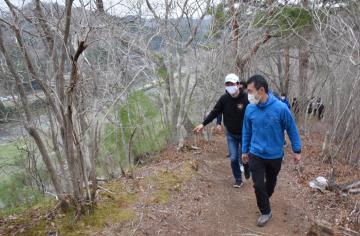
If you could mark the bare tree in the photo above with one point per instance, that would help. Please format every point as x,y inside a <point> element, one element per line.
<point>29,120</point>
<point>69,129</point>
<point>341,83</point>
<point>178,78</point>
<point>100,6</point>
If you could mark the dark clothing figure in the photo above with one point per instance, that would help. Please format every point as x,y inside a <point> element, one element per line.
<point>264,174</point>
<point>219,119</point>
<point>321,111</point>
<point>232,109</point>
<point>295,106</point>
<point>285,100</point>
<point>316,108</point>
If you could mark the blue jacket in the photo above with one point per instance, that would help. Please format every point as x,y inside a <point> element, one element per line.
<point>286,101</point>
<point>263,129</point>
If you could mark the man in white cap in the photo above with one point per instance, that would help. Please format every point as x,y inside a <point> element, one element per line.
<point>232,106</point>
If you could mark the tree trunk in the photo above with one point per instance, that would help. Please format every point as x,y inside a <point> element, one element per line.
<point>29,122</point>
<point>174,118</point>
<point>60,80</point>
<point>74,156</point>
<point>123,142</point>
<point>100,6</point>
<point>303,54</point>
<point>93,156</point>
<point>280,75</point>
<point>305,3</point>
<point>56,149</point>
<point>2,110</point>
<point>303,78</point>
<point>242,61</point>
<point>287,70</point>
<point>327,229</point>
<point>235,33</point>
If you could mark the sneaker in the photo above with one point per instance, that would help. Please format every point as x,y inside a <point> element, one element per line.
<point>263,219</point>
<point>238,184</point>
<point>247,171</point>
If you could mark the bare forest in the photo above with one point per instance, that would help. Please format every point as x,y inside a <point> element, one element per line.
<point>99,99</point>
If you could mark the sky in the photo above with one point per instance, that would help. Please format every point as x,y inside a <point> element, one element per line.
<point>132,7</point>
<point>118,7</point>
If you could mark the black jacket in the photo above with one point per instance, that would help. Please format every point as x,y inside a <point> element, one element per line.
<point>233,110</point>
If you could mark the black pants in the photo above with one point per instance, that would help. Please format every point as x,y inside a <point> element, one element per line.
<point>264,174</point>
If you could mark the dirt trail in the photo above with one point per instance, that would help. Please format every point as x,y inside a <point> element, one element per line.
<point>209,205</point>
<point>234,212</point>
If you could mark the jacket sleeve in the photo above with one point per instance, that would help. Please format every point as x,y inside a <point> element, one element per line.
<point>246,132</point>
<point>219,119</point>
<point>291,129</point>
<point>217,110</point>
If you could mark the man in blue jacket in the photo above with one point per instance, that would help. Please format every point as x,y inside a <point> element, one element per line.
<point>266,118</point>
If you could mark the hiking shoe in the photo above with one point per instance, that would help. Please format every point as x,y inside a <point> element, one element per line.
<point>238,184</point>
<point>263,219</point>
<point>247,171</point>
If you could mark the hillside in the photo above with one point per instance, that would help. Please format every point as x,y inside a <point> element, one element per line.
<point>190,193</point>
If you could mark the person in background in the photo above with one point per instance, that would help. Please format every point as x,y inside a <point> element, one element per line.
<point>295,106</point>
<point>319,109</point>
<point>266,118</point>
<point>285,100</point>
<point>242,87</point>
<point>232,106</point>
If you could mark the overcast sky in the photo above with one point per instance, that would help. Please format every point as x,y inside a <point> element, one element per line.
<point>131,7</point>
<point>116,7</point>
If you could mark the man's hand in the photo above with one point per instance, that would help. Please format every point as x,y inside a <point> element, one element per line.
<point>245,158</point>
<point>198,128</point>
<point>297,158</point>
<point>219,128</point>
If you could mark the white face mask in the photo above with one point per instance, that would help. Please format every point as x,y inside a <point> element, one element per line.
<point>231,89</point>
<point>253,98</point>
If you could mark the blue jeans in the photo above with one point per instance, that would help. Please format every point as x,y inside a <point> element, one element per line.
<point>234,145</point>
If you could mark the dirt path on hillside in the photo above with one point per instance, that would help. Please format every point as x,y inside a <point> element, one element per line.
<point>209,205</point>
<point>229,211</point>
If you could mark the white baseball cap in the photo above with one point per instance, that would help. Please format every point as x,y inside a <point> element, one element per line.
<point>232,78</point>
